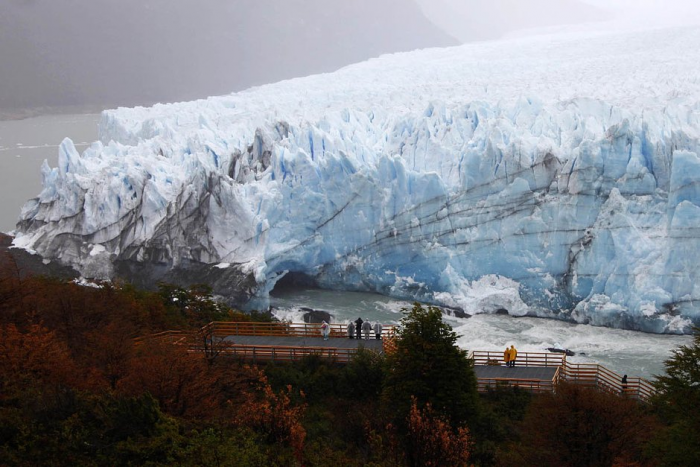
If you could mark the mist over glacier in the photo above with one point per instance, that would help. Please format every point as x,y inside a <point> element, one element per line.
<point>554,176</point>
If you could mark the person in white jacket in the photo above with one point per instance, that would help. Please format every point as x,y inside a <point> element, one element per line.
<point>325,330</point>
<point>378,330</point>
<point>351,330</point>
<point>366,328</point>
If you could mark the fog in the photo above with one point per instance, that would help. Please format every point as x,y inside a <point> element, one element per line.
<point>469,20</point>
<point>106,53</point>
<point>125,52</point>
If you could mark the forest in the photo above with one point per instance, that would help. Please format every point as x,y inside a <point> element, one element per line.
<point>81,384</point>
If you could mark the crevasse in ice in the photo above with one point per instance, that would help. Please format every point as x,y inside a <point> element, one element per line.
<point>553,175</point>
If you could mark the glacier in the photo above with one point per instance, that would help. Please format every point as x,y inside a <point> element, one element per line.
<point>554,176</point>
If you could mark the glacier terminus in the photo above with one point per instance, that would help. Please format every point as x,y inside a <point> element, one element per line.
<point>555,176</point>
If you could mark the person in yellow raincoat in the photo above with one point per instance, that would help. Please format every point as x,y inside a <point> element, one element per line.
<point>513,355</point>
<point>506,356</point>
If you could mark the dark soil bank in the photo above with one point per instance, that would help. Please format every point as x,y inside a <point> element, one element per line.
<point>28,264</point>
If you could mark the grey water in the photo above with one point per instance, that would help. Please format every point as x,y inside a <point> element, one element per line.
<point>624,352</point>
<point>24,145</point>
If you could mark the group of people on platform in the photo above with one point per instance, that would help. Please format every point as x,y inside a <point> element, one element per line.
<point>509,356</point>
<point>356,328</point>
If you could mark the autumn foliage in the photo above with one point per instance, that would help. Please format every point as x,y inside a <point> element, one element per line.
<point>273,413</point>
<point>76,384</point>
<point>35,358</point>
<point>82,383</point>
<point>578,426</point>
<point>432,442</point>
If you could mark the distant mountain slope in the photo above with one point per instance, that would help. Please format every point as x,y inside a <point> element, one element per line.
<point>128,52</point>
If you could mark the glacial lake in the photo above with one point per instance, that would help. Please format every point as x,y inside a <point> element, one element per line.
<point>24,145</point>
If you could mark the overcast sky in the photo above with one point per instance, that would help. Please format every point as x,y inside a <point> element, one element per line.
<point>127,52</point>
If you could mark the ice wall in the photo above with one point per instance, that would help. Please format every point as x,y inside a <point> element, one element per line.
<point>552,176</point>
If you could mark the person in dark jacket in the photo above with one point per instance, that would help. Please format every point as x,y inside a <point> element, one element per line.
<point>358,327</point>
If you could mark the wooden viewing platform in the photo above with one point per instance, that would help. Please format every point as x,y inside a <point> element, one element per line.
<point>283,329</point>
<point>283,341</point>
<point>280,341</point>
<point>534,371</point>
<point>538,372</point>
<point>289,348</point>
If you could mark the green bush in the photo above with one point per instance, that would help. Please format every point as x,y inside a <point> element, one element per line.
<point>429,366</point>
<point>678,402</point>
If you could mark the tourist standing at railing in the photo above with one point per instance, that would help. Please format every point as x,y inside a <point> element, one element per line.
<point>624,385</point>
<point>325,330</point>
<point>351,330</point>
<point>513,355</point>
<point>367,329</point>
<point>358,327</point>
<point>506,356</point>
<point>378,330</point>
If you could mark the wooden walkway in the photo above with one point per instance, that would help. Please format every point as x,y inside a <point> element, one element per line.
<point>503,372</point>
<point>541,371</point>
<point>534,371</point>
<point>306,342</point>
<point>532,378</point>
<point>265,342</point>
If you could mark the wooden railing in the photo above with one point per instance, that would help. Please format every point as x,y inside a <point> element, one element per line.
<point>587,374</point>
<point>533,385</point>
<point>541,359</point>
<point>221,328</point>
<point>174,337</point>
<point>278,353</point>
<point>210,340</point>
<point>598,376</point>
<point>389,344</point>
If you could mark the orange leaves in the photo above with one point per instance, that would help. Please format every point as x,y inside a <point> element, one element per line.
<point>32,359</point>
<point>273,414</point>
<point>427,440</point>
<point>179,380</point>
<point>612,429</point>
<point>108,352</point>
<point>61,343</point>
<point>433,442</point>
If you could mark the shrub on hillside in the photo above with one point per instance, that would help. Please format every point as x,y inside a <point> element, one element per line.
<point>580,427</point>
<point>429,366</point>
<point>678,402</point>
